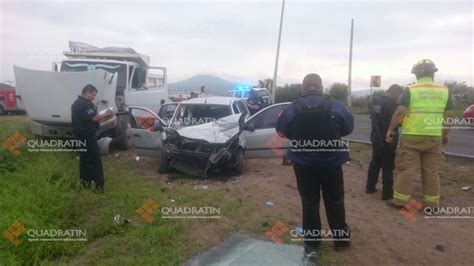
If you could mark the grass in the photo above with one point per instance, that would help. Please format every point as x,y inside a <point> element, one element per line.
<point>41,191</point>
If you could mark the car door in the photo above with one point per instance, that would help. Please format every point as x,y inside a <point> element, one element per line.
<point>260,135</point>
<point>146,128</point>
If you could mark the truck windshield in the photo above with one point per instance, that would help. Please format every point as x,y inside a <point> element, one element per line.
<point>78,66</point>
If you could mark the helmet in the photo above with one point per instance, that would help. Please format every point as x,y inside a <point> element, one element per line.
<point>424,66</point>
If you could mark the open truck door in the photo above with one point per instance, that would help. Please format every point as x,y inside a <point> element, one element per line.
<point>146,129</point>
<point>261,138</point>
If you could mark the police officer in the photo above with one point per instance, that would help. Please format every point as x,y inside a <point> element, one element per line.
<point>381,110</point>
<point>85,122</point>
<point>254,102</point>
<point>310,121</point>
<point>423,107</point>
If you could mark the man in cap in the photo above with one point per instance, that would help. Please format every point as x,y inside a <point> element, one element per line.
<point>315,123</point>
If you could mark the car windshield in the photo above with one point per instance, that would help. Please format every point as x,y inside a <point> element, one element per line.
<point>167,111</point>
<point>78,66</point>
<point>196,114</point>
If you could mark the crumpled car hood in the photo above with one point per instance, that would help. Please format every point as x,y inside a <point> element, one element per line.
<point>219,131</point>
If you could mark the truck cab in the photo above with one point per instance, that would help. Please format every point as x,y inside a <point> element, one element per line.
<point>122,76</point>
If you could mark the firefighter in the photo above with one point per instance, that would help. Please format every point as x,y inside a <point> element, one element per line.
<point>308,122</point>
<point>381,110</point>
<point>85,122</point>
<point>423,107</point>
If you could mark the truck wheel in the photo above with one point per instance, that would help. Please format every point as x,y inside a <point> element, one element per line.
<point>122,132</point>
<point>1,110</point>
<point>164,165</point>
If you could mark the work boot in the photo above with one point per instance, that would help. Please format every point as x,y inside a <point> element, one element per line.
<point>310,258</point>
<point>343,242</point>
<point>392,204</point>
<point>370,190</point>
<point>385,197</point>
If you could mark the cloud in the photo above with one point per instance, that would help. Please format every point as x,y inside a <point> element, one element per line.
<point>237,39</point>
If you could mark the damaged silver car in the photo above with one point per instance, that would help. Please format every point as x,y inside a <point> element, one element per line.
<point>207,135</point>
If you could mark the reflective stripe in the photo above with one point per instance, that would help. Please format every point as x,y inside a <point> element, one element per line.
<point>400,196</point>
<point>431,199</point>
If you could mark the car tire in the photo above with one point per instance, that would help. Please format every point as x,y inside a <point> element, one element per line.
<point>164,165</point>
<point>239,162</point>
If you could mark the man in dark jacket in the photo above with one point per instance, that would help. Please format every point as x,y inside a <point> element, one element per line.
<point>85,122</point>
<point>315,124</point>
<point>381,110</point>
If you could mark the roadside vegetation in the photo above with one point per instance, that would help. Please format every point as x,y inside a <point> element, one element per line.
<point>40,191</point>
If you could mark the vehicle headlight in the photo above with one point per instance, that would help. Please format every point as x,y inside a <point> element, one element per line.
<point>163,135</point>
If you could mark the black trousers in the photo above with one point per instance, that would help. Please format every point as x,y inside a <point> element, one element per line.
<point>311,180</point>
<point>90,165</point>
<point>383,157</point>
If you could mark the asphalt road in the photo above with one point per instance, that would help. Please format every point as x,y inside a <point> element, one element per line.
<point>461,141</point>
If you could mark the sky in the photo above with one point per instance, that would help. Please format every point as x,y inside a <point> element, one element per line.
<point>236,40</point>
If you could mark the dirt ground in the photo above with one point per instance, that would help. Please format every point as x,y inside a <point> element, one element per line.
<point>380,234</point>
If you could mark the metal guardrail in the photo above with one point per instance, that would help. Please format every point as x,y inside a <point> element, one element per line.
<point>451,154</point>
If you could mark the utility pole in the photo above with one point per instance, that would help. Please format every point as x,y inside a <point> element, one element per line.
<point>349,81</point>
<point>275,73</point>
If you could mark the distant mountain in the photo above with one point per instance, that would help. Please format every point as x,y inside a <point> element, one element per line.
<point>214,85</point>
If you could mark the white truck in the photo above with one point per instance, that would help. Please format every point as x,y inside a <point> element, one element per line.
<point>122,77</point>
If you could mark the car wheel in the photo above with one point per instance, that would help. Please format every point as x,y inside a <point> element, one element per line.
<point>239,162</point>
<point>164,165</point>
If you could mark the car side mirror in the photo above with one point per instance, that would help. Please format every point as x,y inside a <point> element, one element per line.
<point>249,127</point>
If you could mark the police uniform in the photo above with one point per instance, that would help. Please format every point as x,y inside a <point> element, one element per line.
<point>85,129</point>
<point>381,110</point>
<point>315,117</point>
<point>421,144</point>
